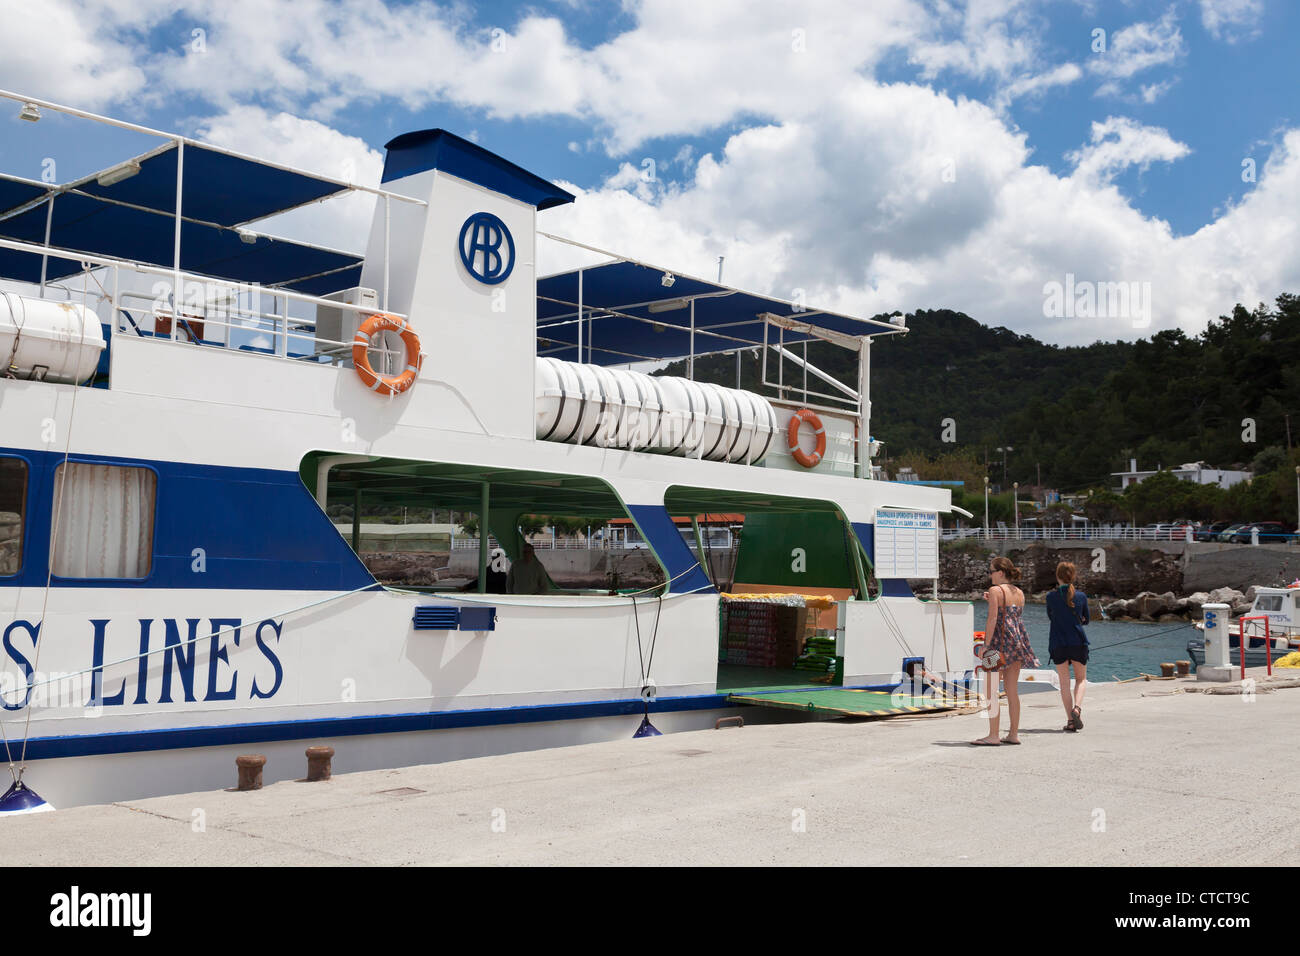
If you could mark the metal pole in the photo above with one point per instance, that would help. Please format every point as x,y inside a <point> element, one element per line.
<point>483,538</point>
<point>864,407</point>
<point>690,363</point>
<point>805,371</point>
<point>356,520</point>
<point>387,231</point>
<point>177,291</point>
<point>44,259</point>
<point>579,315</point>
<point>986,507</point>
<point>1016,493</point>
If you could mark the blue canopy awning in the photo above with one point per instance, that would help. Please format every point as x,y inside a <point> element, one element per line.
<point>652,321</point>
<point>134,219</point>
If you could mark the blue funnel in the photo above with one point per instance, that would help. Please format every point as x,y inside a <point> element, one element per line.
<point>21,799</point>
<point>646,729</point>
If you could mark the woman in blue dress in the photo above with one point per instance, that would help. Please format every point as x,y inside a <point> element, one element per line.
<point>1006,627</point>
<point>1067,610</point>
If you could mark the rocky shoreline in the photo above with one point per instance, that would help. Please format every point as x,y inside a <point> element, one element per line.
<point>1123,583</point>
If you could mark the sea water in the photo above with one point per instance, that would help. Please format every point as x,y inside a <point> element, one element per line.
<point>1134,648</point>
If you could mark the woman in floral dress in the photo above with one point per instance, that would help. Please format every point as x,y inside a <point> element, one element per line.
<point>1006,627</point>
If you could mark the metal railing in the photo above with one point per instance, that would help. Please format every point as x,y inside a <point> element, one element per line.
<point>1244,640</point>
<point>1099,533</point>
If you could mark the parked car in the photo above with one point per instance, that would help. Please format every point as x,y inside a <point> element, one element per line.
<point>1211,532</point>
<point>1270,532</point>
<point>1227,533</point>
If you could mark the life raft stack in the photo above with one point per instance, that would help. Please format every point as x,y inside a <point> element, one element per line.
<point>583,404</point>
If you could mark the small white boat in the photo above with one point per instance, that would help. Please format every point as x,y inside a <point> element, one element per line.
<point>1272,628</point>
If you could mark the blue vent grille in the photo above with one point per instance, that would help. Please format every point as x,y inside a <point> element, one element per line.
<point>478,619</point>
<point>436,618</point>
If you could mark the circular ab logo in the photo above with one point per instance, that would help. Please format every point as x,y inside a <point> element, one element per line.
<point>481,248</point>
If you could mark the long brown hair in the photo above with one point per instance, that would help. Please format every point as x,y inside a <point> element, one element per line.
<point>1065,572</point>
<point>1004,564</point>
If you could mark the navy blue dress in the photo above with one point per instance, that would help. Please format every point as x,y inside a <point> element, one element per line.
<point>1067,642</point>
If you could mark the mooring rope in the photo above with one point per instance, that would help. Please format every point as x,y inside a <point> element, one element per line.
<point>54,533</point>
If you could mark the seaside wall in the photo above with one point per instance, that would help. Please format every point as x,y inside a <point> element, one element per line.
<point>1123,569</point>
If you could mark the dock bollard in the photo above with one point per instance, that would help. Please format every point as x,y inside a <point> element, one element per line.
<point>318,763</point>
<point>1167,669</point>
<point>250,771</point>
<point>1184,668</point>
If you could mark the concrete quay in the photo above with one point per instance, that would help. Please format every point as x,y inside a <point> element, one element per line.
<point>1163,773</point>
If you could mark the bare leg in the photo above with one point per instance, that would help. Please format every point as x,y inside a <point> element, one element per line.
<point>991,693</point>
<point>1080,682</point>
<point>1011,678</point>
<point>1067,699</point>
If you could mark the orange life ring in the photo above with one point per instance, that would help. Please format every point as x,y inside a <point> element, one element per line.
<point>792,438</point>
<point>362,342</point>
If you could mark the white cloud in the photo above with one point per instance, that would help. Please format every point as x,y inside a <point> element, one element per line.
<point>870,196</point>
<point>986,42</point>
<point>1117,143</point>
<point>1135,48</point>
<point>81,53</point>
<point>868,224</point>
<point>1232,20</point>
<point>1153,91</point>
<point>1037,84</point>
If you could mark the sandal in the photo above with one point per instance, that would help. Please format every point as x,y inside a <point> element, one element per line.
<point>1011,743</point>
<point>1077,719</point>
<point>1069,727</point>
<point>983,743</point>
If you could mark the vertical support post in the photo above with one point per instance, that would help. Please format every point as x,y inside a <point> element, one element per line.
<point>178,294</point>
<point>805,371</point>
<point>780,362</point>
<point>49,219</point>
<point>579,315</point>
<point>858,568</point>
<point>387,238</point>
<point>690,362</point>
<point>356,520</point>
<point>483,535</point>
<point>864,407</point>
<point>282,326</point>
<point>737,368</point>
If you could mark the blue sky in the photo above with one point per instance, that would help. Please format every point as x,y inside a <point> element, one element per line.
<point>902,154</point>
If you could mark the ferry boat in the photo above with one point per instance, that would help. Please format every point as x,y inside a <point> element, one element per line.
<point>1272,628</point>
<point>186,395</point>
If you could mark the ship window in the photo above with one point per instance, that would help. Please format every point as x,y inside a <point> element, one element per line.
<point>13,495</point>
<point>103,519</point>
<point>1268,602</point>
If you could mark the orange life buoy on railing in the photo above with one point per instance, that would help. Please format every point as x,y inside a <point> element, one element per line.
<point>792,438</point>
<point>363,341</point>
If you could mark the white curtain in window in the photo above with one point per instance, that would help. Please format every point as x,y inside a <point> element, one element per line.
<point>103,517</point>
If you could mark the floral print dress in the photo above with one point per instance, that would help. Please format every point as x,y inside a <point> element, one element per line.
<point>1010,639</point>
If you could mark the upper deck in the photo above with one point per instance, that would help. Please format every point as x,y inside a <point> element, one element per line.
<point>166,249</point>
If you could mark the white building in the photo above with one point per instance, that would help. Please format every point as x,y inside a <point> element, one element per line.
<point>1195,471</point>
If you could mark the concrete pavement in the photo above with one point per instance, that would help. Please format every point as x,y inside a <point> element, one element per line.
<point>1158,776</point>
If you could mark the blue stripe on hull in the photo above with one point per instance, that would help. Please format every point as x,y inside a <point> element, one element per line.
<point>259,529</point>
<point>82,745</point>
<point>134,741</point>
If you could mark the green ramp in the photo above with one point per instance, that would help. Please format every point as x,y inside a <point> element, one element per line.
<point>831,702</point>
